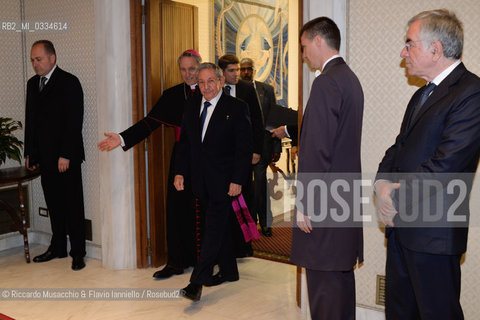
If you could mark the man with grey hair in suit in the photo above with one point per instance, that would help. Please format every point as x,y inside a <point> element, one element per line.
<point>439,140</point>
<point>215,152</point>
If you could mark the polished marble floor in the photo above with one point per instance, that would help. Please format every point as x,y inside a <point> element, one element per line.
<point>266,290</point>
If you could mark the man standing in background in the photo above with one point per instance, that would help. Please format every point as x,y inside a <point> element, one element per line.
<point>244,91</point>
<point>54,142</point>
<point>169,111</point>
<point>329,148</point>
<point>272,147</point>
<point>439,140</point>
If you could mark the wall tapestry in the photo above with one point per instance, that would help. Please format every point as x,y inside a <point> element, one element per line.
<point>258,30</point>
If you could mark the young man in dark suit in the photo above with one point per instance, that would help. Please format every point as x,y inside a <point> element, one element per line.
<point>244,91</point>
<point>439,140</point>
<point>215,151</point>
<point>54,142</point>
<point>272,147</point>
<point>329,149</point>
<point>169,111</point>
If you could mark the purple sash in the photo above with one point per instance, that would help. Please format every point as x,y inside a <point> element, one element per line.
<point>249,228</point>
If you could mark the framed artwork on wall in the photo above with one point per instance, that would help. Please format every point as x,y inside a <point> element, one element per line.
<point>256,29</point>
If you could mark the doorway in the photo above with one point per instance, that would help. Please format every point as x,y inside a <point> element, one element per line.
<point>170,28</point>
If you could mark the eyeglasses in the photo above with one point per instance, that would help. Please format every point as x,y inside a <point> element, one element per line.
<point>411,44</point>
<point>246,69</point>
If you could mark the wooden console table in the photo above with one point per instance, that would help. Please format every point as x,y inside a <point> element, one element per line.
<point>18,175</point>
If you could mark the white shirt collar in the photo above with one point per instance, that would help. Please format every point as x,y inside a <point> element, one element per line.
<point>330,59</point>
<point>233,89</point>
<point>210,110</point>
<point>213,101</point>
<point>48,75</point>
<point>438,79</point>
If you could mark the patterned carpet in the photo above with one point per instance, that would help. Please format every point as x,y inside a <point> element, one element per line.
<point>277,247</point>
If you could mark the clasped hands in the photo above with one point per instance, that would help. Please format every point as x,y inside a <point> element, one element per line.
<point>384,202</point>
<point>63,164</point>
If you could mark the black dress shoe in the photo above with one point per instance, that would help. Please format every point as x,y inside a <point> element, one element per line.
<point>218,279</point>
<point>267,231</point>
<point>78,263</point>
<point>192,292</point>
<point>47,256</point>
<point>167,272</point>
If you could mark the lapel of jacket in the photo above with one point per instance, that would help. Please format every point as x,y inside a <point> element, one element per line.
<point>35,85</point>
<point>239,90</point>
<point>242,89</point>
<point>195,103</point>
<point>261,91</point>
<point>439,93</point>
<point>408,113</point>
<point>258,87</point>
<point>51,82</point>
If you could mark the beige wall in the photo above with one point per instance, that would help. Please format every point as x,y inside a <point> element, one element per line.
<point>12,98</point>
<point>376,30</point>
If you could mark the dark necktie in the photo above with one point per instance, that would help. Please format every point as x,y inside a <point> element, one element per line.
<point>228,89</point>
<point>42,83</point>
<point>425,94</point>
<point>204,115</point>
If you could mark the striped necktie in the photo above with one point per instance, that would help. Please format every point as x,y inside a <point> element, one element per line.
<point>43,80</point>
<point>427,90</point>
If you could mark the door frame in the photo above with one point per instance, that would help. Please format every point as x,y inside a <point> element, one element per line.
<point>136,22</point>
<point>137,18</point>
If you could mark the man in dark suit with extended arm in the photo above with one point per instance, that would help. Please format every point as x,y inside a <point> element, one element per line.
<point>439,140</point>
<point>272,147</point>
<point>180,204</point>
<point>215,151</point>
<point>54,142</point>
<point>329,149</point>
